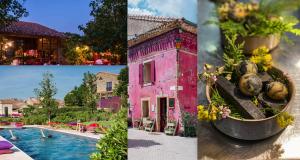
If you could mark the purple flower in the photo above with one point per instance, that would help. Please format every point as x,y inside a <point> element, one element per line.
<point>214,78</point>
<point>225,112</point>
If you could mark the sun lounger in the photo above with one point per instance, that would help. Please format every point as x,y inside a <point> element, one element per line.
<point>6,151</point>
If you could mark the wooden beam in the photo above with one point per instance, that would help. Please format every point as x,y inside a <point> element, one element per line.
<point>244,104</point>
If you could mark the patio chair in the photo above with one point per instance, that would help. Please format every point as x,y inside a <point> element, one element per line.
<point>5,147</point>
<point>137,122</point>
<point>171,128</point>
<point>149,125</point>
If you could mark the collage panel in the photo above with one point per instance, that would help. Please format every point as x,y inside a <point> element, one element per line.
<point>63,73</point>
<point>248,63</point>
<point>162,89</point>
<point>79,35</point>
<point>47,111</point>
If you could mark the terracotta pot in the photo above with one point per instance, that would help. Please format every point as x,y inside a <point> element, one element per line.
<point>250,129</point>
<point>254,42</point>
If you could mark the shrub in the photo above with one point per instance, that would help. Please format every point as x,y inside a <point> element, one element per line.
<point>114,144</point>
<point>189,124</point>
<point>38,119</point>
<point>10,119</point>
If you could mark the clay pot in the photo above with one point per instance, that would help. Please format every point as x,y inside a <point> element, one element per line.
<point>254,42</point>
<point>250,129</point>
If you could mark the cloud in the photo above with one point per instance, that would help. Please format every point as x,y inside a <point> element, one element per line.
<point>138,11</point>
<point>167,8</point>
<point>134,3</point>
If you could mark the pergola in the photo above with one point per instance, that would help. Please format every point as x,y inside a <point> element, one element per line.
<point>32,43</point>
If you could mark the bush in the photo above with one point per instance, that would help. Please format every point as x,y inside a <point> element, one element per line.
<point>38,119</point>
<point>64,119</point>
<point>10,119</point>
<point>190,125</point>
<point>113,145</point>
<point>65,115</point>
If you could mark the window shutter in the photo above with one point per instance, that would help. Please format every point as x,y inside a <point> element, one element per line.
<point>141,81</point>
<point>152,72</point>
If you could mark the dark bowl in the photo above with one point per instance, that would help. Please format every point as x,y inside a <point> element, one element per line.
<point>258,129</point>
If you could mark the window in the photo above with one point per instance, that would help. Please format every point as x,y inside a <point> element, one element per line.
<point>147,73</point>
<point>108,86</point>
<point>171,102</point>
<point>145,107</point>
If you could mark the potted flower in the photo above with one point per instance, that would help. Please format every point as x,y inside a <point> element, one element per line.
<point>248,98</point>
<point>258,24</point>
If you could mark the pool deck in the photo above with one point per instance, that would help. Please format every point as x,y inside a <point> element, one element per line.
<point>17,155</point>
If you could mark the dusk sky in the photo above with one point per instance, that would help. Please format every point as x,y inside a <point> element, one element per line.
<point>61,15</point>
<point>20,81</point>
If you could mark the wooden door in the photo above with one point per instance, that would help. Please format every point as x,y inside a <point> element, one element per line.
<point>163,113</point>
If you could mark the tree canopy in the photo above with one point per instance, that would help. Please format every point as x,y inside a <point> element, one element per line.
<point>85,95</point>
<point>11,10</point>
<point>90,94</point>
<point>46,94</point>
<point>121,88</point>
<point>107,31</point>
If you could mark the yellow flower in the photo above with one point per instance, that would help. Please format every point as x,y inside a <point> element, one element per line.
<point>200,107</point>
<point>268,58</point>
<point>262,58</point>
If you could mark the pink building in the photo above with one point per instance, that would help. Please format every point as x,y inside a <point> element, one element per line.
<point>163,73</point>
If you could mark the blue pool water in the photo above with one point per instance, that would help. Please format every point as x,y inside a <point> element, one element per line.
<point>60,147</point>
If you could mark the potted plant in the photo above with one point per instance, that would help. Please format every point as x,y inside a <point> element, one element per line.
<point>248,98</point>
<point>258,24</point>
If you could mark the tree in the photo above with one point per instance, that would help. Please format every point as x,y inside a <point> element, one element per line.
<point>75,50</point>
<point>121,88</point>
<point>90,94</point>
<point>75,97</point>
<point>46,94</point>
<point>108,29</point>
<point>10,11</point>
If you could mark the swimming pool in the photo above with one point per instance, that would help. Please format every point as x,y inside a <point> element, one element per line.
<point>60,147</point>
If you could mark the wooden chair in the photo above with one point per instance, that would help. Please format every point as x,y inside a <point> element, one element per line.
<point>171,128</point>
<point>149,126</point>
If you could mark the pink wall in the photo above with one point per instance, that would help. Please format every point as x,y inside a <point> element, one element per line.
<point>188,79</point>
<point>167,68</point>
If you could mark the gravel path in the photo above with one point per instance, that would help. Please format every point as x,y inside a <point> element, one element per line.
<point>143,145</point>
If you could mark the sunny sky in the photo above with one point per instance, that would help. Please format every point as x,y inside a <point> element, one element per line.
<point>61,15</point>
<point>169,8</point>
<point>20,81</point>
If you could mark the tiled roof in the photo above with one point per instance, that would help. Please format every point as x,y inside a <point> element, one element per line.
<point>16,103</point>
<point>30,29</point>
<point>151,18</point>
<point>140,24</point>
<point>109,73</point>
<point>164,28</point>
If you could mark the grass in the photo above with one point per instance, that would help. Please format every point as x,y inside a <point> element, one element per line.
<point>218,100</point>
